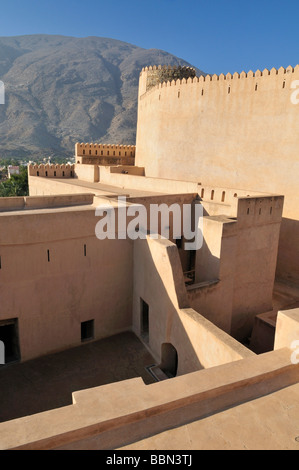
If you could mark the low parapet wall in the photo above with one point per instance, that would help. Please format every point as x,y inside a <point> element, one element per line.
<point>34,202</point>
<point>287,331</point>
<point>114,415</point>
<point>51,171</point>
<point>104,150</point>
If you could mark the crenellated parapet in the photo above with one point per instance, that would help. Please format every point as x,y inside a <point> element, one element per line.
<point>154,77</point>
<point>104,154</point>
<point>104,150</point>
<point>159,74</point>
<point>51,170</point>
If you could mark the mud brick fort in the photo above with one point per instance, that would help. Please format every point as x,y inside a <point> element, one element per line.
<point>218,327</point>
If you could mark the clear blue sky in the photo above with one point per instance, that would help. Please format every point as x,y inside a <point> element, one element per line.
<point>214,35</point>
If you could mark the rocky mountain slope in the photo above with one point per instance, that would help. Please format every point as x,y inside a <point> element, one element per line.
<point>60,90</point>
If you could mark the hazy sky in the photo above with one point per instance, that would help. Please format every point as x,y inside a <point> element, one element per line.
<point>214,35</point>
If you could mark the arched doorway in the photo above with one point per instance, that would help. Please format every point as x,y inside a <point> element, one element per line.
<point>169,361</point>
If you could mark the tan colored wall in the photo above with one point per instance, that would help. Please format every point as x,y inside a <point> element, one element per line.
<point>51,299</point>
<point>287,330</point>
<point>158,280</point>
<point>51,171</point>
<point>245,139</point>
<point>241,259</point>
<point>104,150</point>
<point>111,416</point>
<point>51,186</point>
<point>101,154</point>
<point>87,173</point>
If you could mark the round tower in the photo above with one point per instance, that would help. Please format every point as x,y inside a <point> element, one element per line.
<point>153,75</point>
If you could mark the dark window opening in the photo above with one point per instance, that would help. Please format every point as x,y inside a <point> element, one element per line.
<point>248,211</point>
<point>63,173</point>
<point>54,173</point>
<point>87,330</point>
<point>212,194</point>
<point>46,173</point>
<point>9,335</point>
<point>84,250</point>
<point>255,86</point>
<point>144,327</point>
<point>223,196</point>
<point>83,152</point>
<point>37,173</point>
<point>179,243</point>
<point>48,255</point>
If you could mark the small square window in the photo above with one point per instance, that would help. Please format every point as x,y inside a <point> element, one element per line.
<point>87,330</point>
<point>178,242</point>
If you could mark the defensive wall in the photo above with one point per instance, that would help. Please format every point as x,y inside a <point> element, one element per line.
<point>104,154</point>
<point>65,276</point>
<point>51,241</point>
<point>62,275</point>
<point>235,131</point>
<point>222,375</point>
<point>51,170</point>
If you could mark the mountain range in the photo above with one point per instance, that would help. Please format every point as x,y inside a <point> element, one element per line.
<point>60,90</point>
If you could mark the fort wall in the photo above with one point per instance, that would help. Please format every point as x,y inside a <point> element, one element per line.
<point>236,131</point>
<point>63,276</point>
<point>93,422</point>
<point>104,154</point>
<point>51,170</point>
<point>235,268</point>
<point>199,343</point>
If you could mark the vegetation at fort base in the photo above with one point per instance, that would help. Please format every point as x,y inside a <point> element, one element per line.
<point>16,185</point>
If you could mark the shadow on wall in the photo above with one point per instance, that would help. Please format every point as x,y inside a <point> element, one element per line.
<point>154,287</point>
<point>288,251</point>
<point>159,283</point>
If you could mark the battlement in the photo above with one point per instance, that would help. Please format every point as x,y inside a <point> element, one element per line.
<point>159,77</point>
<point>173,68</point>
<point>104,154</point>
<point>259,210</point>
<point>51,170</point>
<point>155,75</point>
<point>104,150</point>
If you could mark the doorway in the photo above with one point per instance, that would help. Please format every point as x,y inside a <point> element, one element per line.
<point>169,362</point>
<point>9,335</point>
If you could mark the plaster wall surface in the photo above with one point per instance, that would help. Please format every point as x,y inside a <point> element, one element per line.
<point>235,268</point>
<point>56,274</point>
<point>94,422</point>
<point>287,331</point>
<point>235,131</point>
<point>158,280</point>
